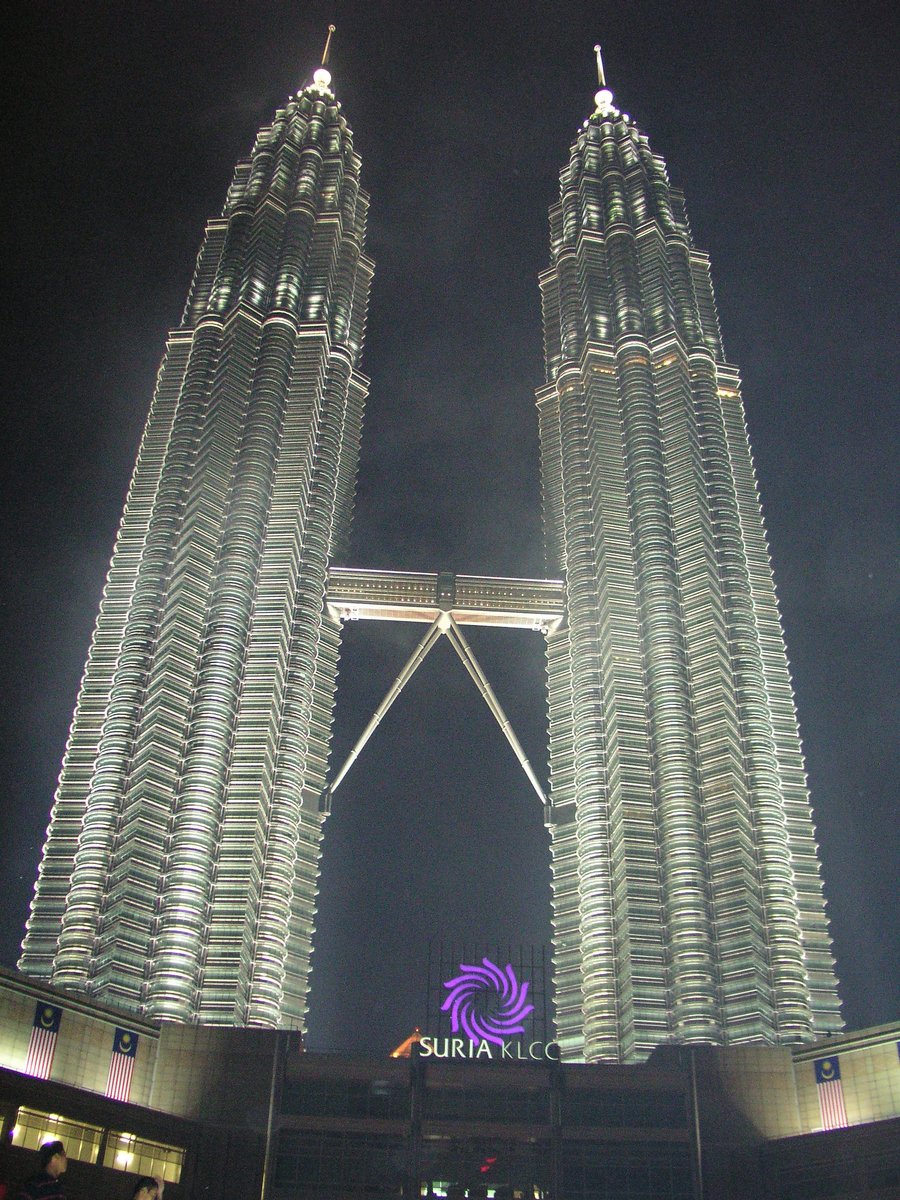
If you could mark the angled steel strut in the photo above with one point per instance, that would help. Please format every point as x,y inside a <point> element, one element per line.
<point>472,665</point>
<point>415,660</point>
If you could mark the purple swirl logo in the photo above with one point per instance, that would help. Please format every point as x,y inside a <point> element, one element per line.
<point>465,1002</point>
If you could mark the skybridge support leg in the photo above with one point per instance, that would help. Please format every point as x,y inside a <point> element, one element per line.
<point>414,662</point>
<point>472,665</point>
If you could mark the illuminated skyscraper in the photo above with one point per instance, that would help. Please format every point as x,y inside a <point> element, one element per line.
<point>179,872</point>
<point>687,898</point>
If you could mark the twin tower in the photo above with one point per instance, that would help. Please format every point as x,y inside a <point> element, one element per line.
<point>180,869</point>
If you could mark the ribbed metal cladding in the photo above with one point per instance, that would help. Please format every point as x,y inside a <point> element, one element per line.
<point>687,898</point>
<point>180,870</point>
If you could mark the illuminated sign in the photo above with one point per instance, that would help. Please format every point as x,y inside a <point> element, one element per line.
<point>487,1005</point>
<point>452,1047</point>
<point>467,989</point>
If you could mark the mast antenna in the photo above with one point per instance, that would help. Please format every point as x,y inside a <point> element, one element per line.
<point>600,72</point>
<point>328,46</point>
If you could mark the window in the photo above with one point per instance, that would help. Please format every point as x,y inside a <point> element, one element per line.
<point>128,1152</point>
<point>33,1128</point>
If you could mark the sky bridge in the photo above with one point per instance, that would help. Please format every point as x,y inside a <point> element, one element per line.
<point>355,595</point>
<point>445,602</point>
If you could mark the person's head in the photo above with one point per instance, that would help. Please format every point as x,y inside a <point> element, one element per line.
<point>146,1189</point>
<point>52,1157</point>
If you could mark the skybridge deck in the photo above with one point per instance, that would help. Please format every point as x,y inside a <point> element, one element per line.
<point>356,595</point>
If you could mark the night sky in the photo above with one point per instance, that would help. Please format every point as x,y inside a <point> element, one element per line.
<point>125,121</point>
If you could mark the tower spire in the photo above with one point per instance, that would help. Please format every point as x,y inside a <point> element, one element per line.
<point>601,76</point>
<point>321,75</point>
<point>604,97</point>
<point>327,49</point>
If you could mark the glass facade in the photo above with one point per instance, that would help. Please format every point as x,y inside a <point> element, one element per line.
<point>593,1108</point>
<point>687,898</point>
<point>381,1099</point>
<point>479,1131</point>
<point>601,1172</point>
<point>180,869</point>
<point>514,1105</point>
<point>325,1162</point>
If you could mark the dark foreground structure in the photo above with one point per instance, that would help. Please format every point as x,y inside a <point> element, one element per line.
<point>240,1113</point>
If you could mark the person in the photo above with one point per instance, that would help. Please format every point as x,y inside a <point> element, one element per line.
<point>47,1183</point>
<point>150,1187</point>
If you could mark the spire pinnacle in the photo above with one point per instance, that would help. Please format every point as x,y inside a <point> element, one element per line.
<point>604,98</point>
<point>601,77</point>
<point>327,49</point>
<point>321,75</point>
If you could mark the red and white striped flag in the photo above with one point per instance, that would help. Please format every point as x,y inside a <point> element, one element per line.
<point>121,1065</point>
<point>42,1047</point>
<point>831,1092</point>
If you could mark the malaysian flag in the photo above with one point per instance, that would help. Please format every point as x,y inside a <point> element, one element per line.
<point>42,1047</point>
<point>831,1092</point>
<point>121,1065</point>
